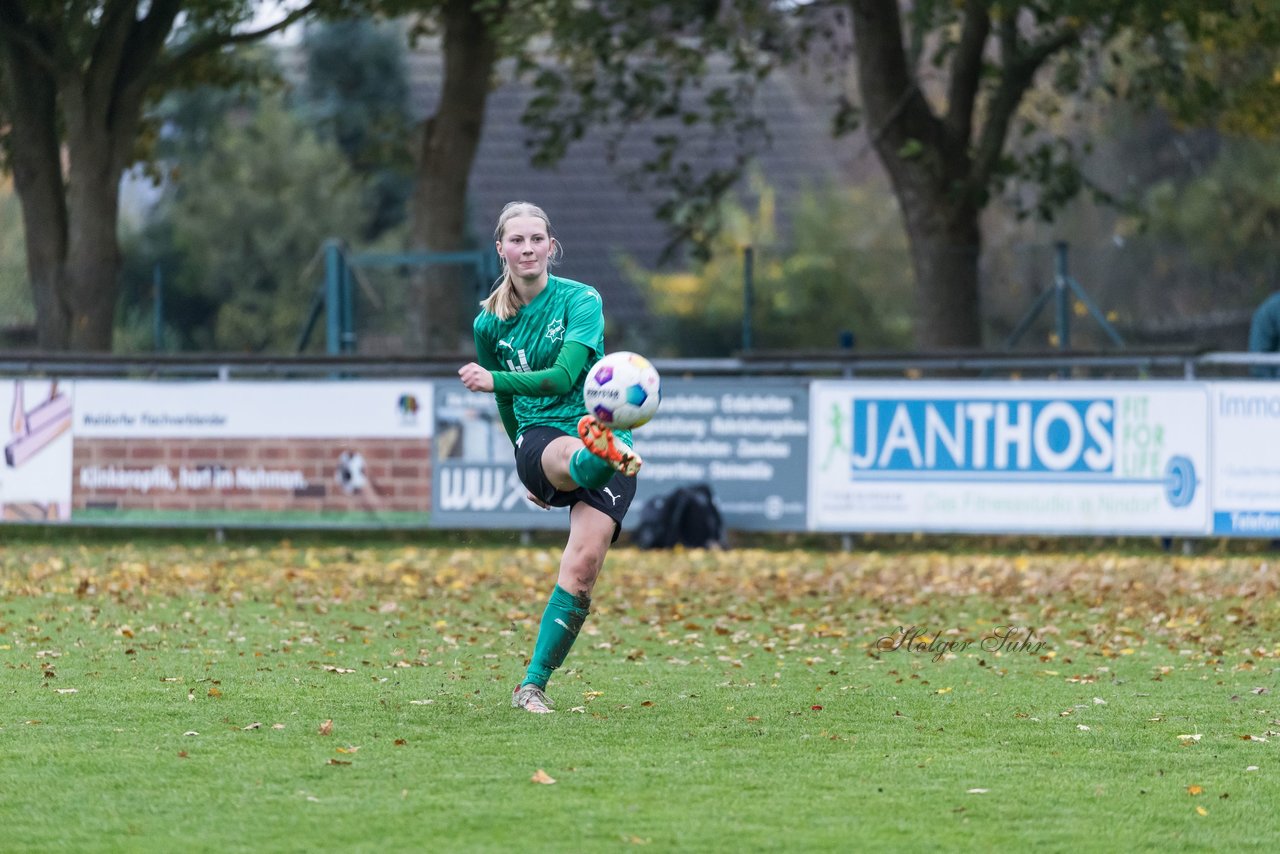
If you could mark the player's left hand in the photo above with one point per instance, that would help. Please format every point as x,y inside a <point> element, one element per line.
<point>475,378</point>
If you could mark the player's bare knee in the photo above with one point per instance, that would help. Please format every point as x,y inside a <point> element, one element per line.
<point>581,568</point>
<point>581,576</point>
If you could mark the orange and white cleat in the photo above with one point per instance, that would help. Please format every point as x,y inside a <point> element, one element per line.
<point>600,441</point>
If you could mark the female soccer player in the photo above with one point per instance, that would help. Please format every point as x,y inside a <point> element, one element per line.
<point>535,336</point>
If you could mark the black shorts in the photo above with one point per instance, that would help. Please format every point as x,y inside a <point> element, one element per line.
<point>613,499</point>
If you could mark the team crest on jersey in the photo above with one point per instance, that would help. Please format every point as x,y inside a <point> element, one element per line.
<point>555,330</point>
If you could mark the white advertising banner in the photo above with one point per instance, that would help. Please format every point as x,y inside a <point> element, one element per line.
<point>35,478</point>
<point>343,452</point>
<point>389,409</point>
<point>1246,453</point>
<point>1009,457</point>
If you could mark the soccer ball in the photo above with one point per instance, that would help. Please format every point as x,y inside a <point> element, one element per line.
<point>622,390</point>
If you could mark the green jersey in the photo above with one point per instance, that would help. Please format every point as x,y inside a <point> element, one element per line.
<point>565,311</point>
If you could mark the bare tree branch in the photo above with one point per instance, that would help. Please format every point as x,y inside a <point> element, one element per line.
<point>208,42</point>
<point>897,109</point>
<point>108,53</point>
<point>1019,71</point>
<point>147,39</point>
<point>16,29</point>
<point>966,71</point>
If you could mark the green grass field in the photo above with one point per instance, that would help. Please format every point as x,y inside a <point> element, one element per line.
<point>268,696</point>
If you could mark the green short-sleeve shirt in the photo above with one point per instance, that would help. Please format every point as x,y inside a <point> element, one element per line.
<point>565,311</point>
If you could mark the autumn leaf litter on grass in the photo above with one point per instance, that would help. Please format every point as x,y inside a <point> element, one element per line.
<point>747,617</point>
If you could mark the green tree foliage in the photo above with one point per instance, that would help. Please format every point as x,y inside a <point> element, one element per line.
<point>75,80</point>
<point>249,219</point>
<point>943,99</point>
<point>1226,69</point>
<point>357,92</point>
<point>1225,221</point>
<point>187,313</point>
<point>180,125</point>
<point>1233,207</point>
<point>845,269</point>
<point>182,128</point>
<point>689,70</point>
<point>474,37</point>
<point>15,297</point>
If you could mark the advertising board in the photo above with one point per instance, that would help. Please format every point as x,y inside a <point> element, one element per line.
<point>1009,457</point>
<point>35,479</point>
<point>747,438</point>
<point>1245,425</point>
<point>252,453</point>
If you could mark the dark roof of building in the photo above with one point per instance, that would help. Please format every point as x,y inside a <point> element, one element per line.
<point>597,218</point>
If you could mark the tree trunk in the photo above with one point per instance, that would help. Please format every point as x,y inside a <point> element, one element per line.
<point>946,244</point>
<point>73,253</point>
<point>37,176</point>
<point>92,281</point>
<point>942,165</point>
<point>449,142</point>
<point>88,80</point>
<point>929,164</point>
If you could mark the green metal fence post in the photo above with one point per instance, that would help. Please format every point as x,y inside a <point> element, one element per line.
<point>1061,281</point>
<point>348,309</point>
<point>748,295</point>
<point>334,274</point>
<point>157,313</point>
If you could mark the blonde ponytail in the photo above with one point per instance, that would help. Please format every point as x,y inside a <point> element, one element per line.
<point>502,300</point>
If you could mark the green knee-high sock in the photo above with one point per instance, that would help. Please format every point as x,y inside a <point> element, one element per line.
<point>588,470</point>
<point>561,622</point>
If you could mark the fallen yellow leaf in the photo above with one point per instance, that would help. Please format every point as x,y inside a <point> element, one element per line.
<point>1194,790</point>
<point>542,777</point>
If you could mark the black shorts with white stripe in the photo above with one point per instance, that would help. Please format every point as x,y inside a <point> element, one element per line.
<point>613,499</point>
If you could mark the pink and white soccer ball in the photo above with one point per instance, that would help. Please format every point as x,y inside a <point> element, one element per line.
<point>622,390</point>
